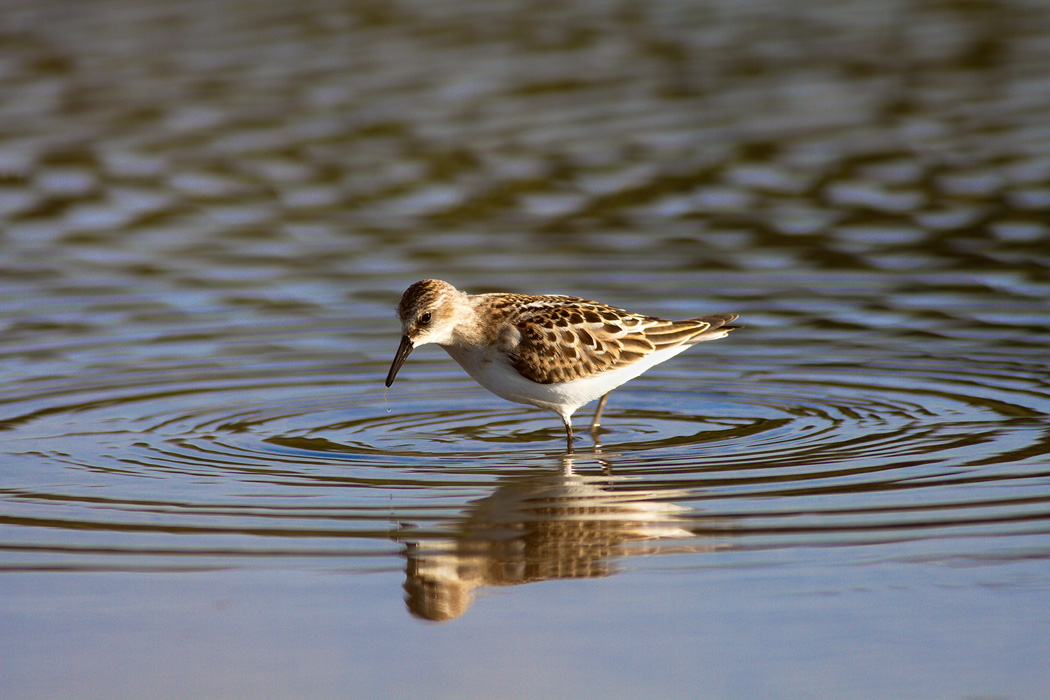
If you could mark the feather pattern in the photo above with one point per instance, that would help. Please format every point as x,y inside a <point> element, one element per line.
<point>562,338</point>
<point>554,352</point>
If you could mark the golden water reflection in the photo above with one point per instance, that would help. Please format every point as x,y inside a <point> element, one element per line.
<point>558,524</point>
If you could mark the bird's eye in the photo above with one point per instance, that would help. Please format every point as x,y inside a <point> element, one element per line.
<point>425,318</point>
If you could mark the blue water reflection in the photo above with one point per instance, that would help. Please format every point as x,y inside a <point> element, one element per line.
<point>208,211</point>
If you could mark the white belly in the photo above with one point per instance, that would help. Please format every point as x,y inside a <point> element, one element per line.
<point>491,370</point>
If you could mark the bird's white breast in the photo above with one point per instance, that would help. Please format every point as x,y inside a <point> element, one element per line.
<point>491,368</point>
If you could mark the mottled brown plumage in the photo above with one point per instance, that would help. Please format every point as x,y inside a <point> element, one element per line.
<point>555,352</point>
<point>565,338</point>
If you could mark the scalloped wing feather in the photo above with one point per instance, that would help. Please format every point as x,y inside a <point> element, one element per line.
<point>565,338</point>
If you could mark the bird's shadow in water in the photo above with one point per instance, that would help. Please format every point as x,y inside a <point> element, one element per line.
<point>552,524</point>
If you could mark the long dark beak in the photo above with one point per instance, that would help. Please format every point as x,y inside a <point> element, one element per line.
<point>403,351</point>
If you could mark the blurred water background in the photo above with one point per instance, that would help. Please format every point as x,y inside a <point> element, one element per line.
<point>208,211</point>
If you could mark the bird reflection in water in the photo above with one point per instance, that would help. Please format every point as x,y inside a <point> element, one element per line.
<point>554,525</point>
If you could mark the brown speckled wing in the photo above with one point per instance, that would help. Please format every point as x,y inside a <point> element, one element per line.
<point>565,338</point>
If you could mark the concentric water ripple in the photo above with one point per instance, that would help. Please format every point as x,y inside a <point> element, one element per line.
<point>209,210</point>
<point>234,468</point>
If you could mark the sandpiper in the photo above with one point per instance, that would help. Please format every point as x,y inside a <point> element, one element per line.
<point>551,351</point>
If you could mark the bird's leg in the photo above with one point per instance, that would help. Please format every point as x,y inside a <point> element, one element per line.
<point>598,412</point>
<point>568,434</point>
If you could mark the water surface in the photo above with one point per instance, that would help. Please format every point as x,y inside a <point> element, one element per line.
<point>208,212</point>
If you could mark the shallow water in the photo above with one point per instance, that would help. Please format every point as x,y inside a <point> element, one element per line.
<point>209,211</point>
